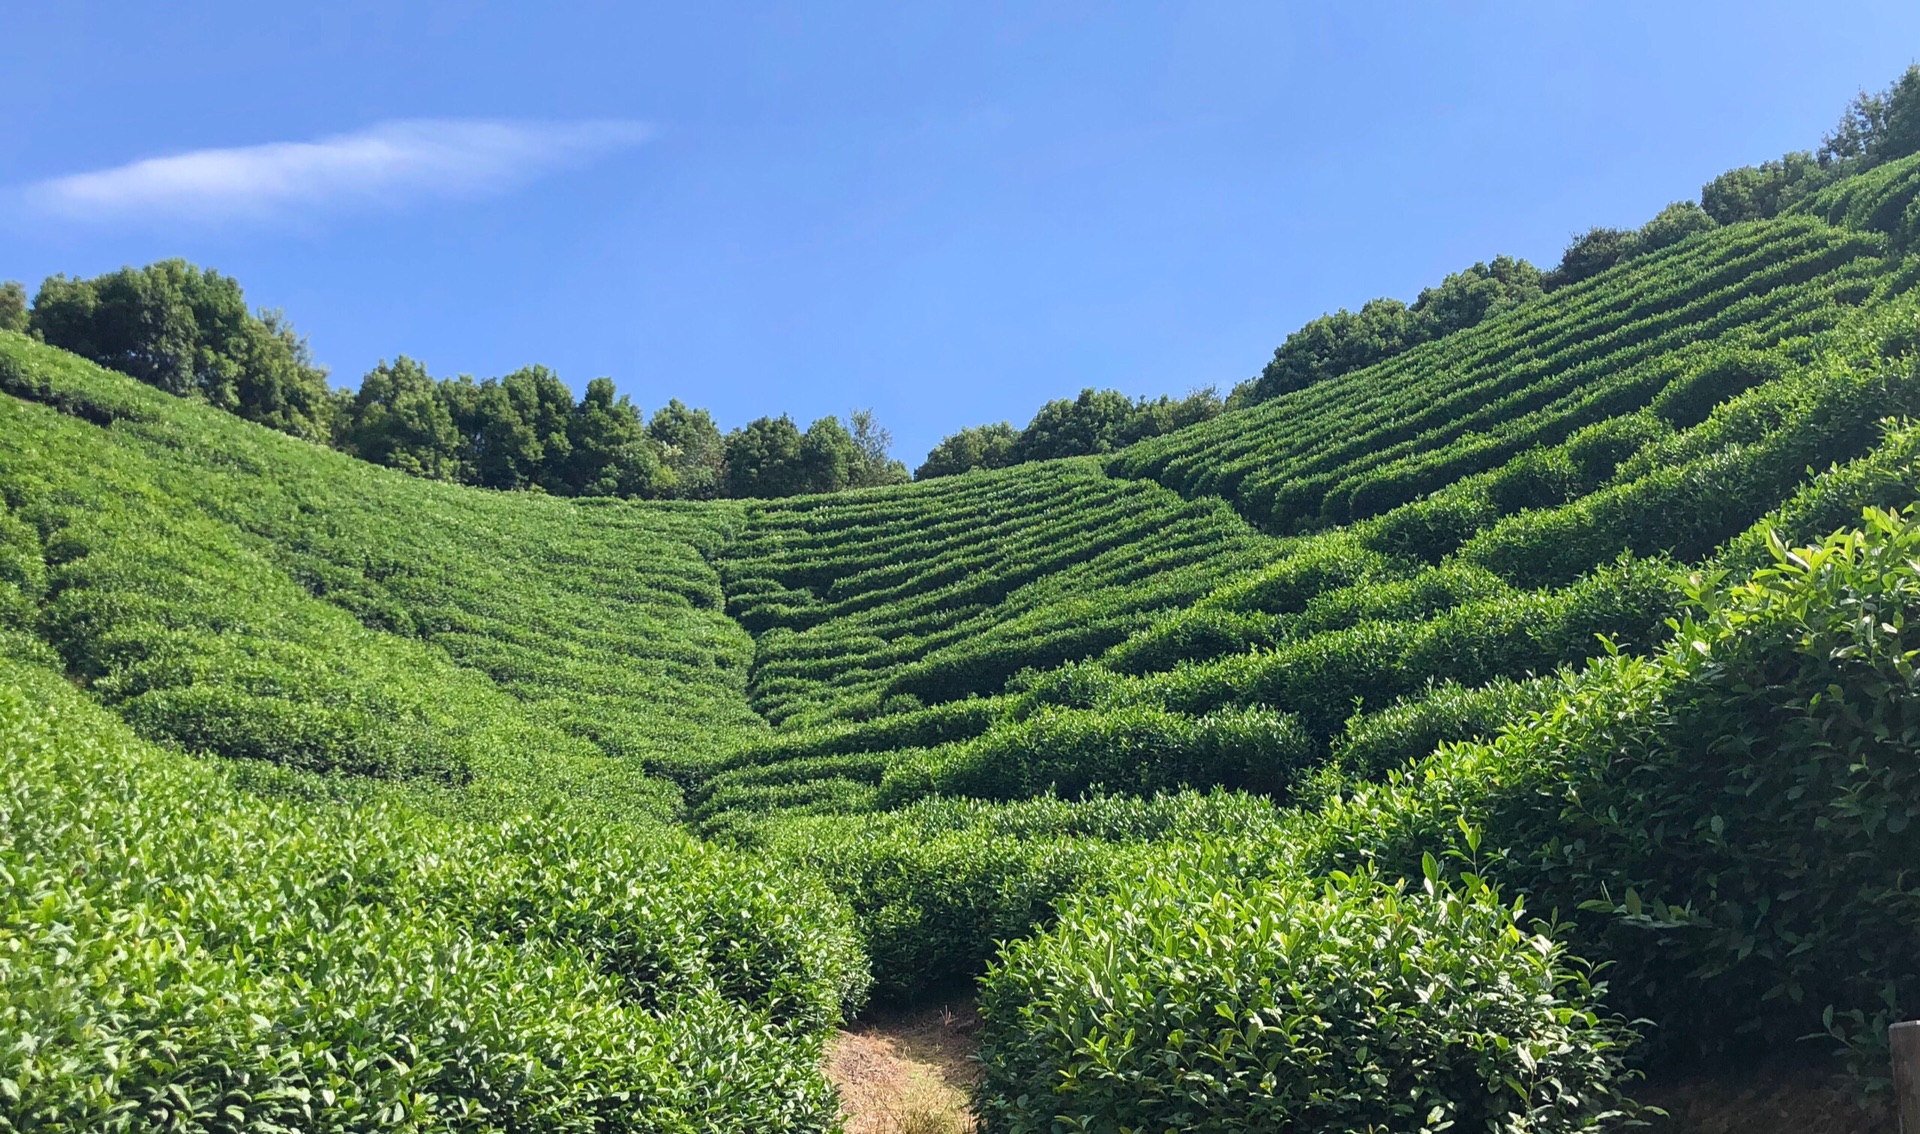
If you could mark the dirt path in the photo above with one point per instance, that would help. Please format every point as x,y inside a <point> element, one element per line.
<point>907,1072</point>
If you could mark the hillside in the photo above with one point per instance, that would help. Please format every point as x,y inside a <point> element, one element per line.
<point>1451,557</point>
<point>1360,445</point>
<point>1443,742</point>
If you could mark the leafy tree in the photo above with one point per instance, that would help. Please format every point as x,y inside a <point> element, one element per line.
<point>519,425</point>
<point>771,457</point>
<point>1761,192</point>
<point>1598,249</point>
<point>1671,225</point>
<point>765,459</point>
<point>1203,404</point>
<point>1346,341</point>
<point>127,321</point>
<point>13,307</point>
<point>979,447</point>
<point>1591,253</point>
<point>1098,421</point>
<point>611,454</point>
<point>875,444</point>
<point>692,449</point>
<point>1336,344</point>
<point>1878,127</point>
<point>1465,298</point>
<point>404,420</point>
<point>1094,422</point>
<point>1164,414</point>
<point>190,332</point>
<point>829,458</point>
<point>521,431</point>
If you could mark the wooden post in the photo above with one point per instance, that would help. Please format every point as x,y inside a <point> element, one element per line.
<point>1904,1039</point>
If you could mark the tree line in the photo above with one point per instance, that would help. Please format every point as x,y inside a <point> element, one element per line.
<point>190,332</point>
<point>525,431</point>
<point>1098,421</point>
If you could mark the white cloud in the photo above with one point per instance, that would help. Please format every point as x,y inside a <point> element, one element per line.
<point>386,165</point>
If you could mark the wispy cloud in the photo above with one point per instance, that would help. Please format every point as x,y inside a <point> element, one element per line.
<point>389,164</point>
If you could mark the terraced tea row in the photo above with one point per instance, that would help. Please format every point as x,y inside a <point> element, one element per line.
<point>184,955</point>
<point>1529,577</point>
<point>872,610</point>
<point>1364,443</point>
<point>893,599</point>
<point>1882,199</point>
<point>253,595</point>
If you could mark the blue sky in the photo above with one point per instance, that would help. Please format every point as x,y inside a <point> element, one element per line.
<point>949,213</point>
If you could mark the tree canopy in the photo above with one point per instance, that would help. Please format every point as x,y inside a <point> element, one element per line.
<point>525,431</point>
<point>402,419</point>
<point>610,452</point>
<point>1346,341</point>
<point>875,445</point>
<point>692,451</point>
<point>13,307</point>
<point>1097,421</point>
<point>1878,127</point>
<point>189,332</point>
<point>763,459</point>
<point>976,447</point>
<point>771,457</point>
<point>1761,192</point>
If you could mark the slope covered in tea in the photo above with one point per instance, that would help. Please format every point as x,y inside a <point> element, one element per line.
<point>1429,747</point>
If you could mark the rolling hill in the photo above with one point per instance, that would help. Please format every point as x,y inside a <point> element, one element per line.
<point>1440,743</point>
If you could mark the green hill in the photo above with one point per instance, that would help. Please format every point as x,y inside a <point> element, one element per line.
<point>1436,743</point>
<point>1359,445</point>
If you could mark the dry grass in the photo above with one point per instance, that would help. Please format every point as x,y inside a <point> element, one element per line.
<point>907,1073</point>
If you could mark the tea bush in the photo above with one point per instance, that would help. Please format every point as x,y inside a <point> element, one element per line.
<point>252,595</point>
<point>944,590</point>
<point>177,954</point>
<point>937,886</point>
<point>1376,743</point>
<point>1197,999</point>
<point>1363,443</point>
<point>1135,750</point>
<point>1730,819</point>
<point>879,605</point>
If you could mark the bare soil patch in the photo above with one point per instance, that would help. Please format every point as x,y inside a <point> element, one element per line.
<point>907,1072</point>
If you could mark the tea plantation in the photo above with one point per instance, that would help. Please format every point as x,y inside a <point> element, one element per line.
<point>1433,747</point>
